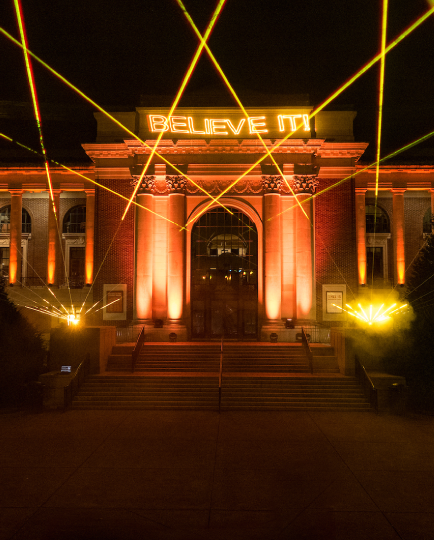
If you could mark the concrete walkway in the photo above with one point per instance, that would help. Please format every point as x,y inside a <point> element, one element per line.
<point>200,475</point>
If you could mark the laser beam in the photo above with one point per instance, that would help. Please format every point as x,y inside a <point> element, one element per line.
<point>178,96</point>
<point>107,114</point>
<point>31,78</point>
<point>335,94</point>
<point>235,96</point>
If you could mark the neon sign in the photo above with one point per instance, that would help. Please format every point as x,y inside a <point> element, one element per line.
<point>252,125</point>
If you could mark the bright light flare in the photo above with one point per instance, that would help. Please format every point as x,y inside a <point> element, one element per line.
<point>366,313</point>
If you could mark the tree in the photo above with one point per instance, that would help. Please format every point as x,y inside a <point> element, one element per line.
<point>22,353</point>
<point>421,283</point>
<point>416,357</point>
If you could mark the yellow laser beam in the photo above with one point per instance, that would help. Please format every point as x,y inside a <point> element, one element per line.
<point>389,156</point>
<point>178,96</point>
<point>107,114</point>
<point>235,96</point>
<point>92,181</point>
<point>381,93</point>
<point>343,87</point>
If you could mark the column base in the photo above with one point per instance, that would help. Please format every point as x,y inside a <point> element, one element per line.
<point>170,326</point>
<point>271,327</point>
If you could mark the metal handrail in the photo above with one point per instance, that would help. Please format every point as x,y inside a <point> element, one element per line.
<point>221,373</point>
<point>80,374</point>
<point>306,346</point>
<point>137,348</point>
<point>366,382</point>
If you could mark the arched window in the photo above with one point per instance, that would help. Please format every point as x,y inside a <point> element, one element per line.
<point>377,221</point>
<point>74,221</point>
<point>428,221</point>
<point>5,220</point>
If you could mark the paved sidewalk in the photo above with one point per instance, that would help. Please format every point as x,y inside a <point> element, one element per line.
<point>200,475</point>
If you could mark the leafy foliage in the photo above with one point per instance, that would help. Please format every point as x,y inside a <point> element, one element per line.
<point>421,282</point>
<point>22,353</point>
<point>413,354</point>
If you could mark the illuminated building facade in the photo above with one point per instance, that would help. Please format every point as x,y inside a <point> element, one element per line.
<point>206,254</point>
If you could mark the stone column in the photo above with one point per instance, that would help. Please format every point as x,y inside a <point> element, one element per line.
<point>288,257</point>
<point>144,240</point>
<point>272,249</point>
<point>176,249</point>
<point>361,234</point>
<point>398,234</point>
<point>90,235</point>
<point>15,256</point>
<point>432,209</point>
<point>53,238</point>
<point>304,187</point>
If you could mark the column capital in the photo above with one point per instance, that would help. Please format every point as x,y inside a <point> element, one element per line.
<point>271,184</point>
<point>176,184</point>
<point>90,192</point>
<point>16,191</point>
<point>146,186</point>
<point>398,191</point>
<point>360,190</point>
<point>305,184</point>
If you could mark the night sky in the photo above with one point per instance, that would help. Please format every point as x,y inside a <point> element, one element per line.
<point>117,51</point>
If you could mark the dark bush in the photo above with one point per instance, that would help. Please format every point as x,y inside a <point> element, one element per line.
<point>22,352</point>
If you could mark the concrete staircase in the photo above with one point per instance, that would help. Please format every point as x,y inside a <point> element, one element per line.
<point>293,393</point>
<point>198,357</point>
<point>298,393</point>
<point>138,392</point>
<point>256,376</point>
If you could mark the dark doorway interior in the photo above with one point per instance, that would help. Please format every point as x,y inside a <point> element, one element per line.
<point>224,276</point>
<point>76,267</point>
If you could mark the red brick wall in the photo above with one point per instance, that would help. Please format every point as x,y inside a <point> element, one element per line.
<point>335,239</point>
<point>117,264</point>
<point>414,208</point>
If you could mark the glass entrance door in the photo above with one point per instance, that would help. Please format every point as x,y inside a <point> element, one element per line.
<point>224,276</point>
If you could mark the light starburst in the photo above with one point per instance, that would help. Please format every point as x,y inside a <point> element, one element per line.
<point>373,313</point>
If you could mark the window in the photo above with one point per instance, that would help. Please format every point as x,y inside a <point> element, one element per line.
<point>76,267</point>
<point>74,221</point>
<point>428,221</point>
<point>5,220</point>
<point>377,221</point>
<point>374,263</point>
<point>4,262</point>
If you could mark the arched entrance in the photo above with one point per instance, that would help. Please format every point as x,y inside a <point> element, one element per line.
<point>224,275</point>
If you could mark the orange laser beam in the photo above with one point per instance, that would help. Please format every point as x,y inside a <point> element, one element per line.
<point>31,78</point>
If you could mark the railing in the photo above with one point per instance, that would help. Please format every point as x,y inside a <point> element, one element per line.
<point>309,354</point>
<point>316,334</point>
<point>33,281</point>
<point>127,334</point>
<point>80,374</point>
<point>138,347</point>
<point>366,383</point>
<point>221,373</point>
